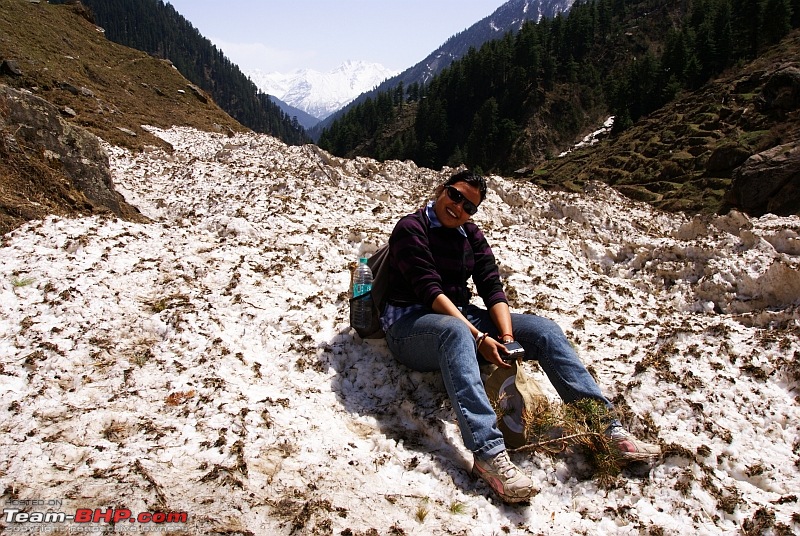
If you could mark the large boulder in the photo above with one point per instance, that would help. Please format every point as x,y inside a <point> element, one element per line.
<point>768,182</point>
<point>781,93</point>
<point>70,168</point>
<point>10,67</point>
<point>725,158</point>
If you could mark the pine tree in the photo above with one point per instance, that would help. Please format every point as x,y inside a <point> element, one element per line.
<point>158,29</point>
<point>779,21</point>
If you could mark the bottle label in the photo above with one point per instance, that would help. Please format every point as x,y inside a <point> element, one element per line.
<point>361,289</point>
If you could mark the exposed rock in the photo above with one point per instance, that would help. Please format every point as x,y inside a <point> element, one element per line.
<point>198,93</point>
<point>70,152</point>
<point>781,93</point>
<point>769,182</point>
<point>66,86</point>
<point>725,158</point>
<point>10,67</point>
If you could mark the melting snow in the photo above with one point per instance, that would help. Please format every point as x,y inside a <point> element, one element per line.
<point>203,363</point>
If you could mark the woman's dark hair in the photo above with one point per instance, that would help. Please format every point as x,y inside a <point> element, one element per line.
<point>471,178</point>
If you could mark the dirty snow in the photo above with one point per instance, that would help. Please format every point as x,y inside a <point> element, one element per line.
<point>203,363</point>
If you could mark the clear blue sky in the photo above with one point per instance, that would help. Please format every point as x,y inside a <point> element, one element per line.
<point>286,35</point>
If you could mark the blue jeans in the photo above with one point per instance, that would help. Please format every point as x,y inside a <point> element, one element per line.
<point>426,342</point>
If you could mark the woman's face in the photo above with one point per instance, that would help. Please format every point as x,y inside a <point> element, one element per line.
<point>449,205</point>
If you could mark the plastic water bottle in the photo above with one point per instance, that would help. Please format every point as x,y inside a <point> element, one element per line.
<point>361,306</point>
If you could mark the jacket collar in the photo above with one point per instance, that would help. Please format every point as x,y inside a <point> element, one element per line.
<point>431,215</point>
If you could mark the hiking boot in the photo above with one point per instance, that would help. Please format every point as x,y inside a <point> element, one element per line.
<point>505,478</point>
<point>630,449</point>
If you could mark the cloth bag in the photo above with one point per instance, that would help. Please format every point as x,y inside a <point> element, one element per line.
<point>517,395</point>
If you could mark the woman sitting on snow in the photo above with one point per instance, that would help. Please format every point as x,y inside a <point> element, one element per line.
<point>430,325</point>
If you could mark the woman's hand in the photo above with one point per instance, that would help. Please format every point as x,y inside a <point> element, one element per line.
<point>492,350</point>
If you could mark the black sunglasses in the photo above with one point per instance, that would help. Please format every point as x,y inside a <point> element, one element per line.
<point>457,197</point>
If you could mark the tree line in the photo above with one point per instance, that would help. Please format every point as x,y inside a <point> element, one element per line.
<point>626,57</point>
<point>158,29</point>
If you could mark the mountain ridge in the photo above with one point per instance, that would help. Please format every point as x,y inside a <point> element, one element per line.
<point>726,159</point>
<point>515,103</point>
<point>321,94</point>
<point>114,102</point>
<point>508,17</point>
<point>65,80</point>
<point>156,28</point>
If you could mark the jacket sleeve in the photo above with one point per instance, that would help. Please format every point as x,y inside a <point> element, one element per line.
<point>485,274</point>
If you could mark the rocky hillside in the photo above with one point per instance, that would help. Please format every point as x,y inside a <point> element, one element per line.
<point>732,144</point>
<point>63,81</point>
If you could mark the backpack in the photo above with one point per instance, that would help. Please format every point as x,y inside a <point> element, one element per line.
<point>379,264</point>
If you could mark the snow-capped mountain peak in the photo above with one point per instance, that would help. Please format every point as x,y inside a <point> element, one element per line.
<point>321,94</point>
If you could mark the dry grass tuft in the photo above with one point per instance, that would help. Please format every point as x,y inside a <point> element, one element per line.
<point>557,429</point>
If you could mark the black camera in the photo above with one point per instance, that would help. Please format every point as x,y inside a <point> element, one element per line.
<point>515,351</point>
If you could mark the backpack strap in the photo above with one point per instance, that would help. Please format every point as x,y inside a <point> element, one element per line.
<point>379,264</point>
